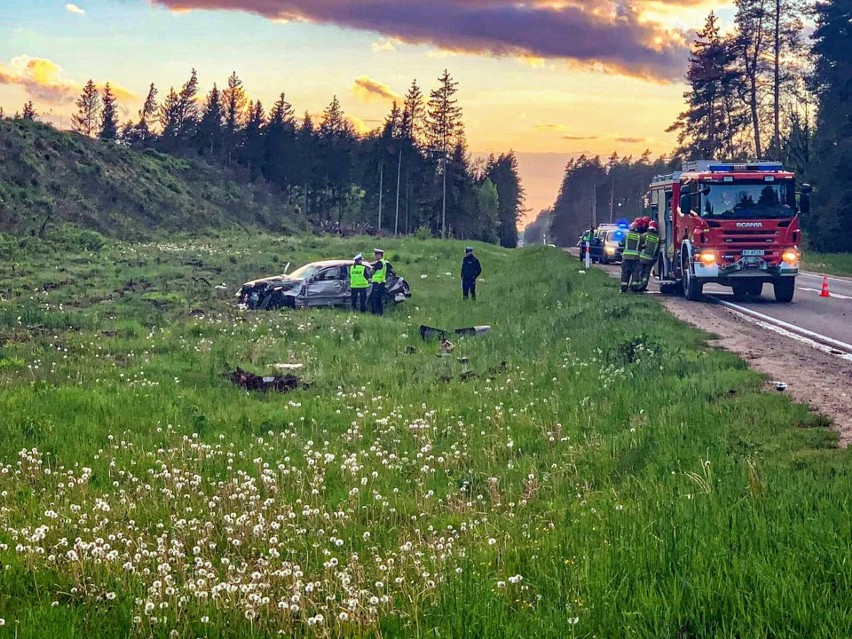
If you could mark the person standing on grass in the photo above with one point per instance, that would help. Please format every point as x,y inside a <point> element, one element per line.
<point>471,269</point>
<point>381,270</point>
<point>359,284</point>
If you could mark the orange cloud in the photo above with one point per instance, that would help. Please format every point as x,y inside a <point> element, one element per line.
<point>44,79</point>
<point>368,89</point>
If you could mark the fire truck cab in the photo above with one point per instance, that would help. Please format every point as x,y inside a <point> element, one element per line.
<point>732,224</point>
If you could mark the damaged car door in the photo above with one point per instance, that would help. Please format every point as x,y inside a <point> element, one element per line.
<point>329,287</point>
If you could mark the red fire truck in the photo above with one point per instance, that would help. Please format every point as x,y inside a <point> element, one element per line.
<point>732,224</point>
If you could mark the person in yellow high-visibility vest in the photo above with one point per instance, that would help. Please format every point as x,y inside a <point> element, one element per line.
<point>630,258</point>
<point>358,284</point>
<point>381,270</point>
<point>648,256</point>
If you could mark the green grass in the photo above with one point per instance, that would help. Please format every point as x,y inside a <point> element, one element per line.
<point>828,263</point>
<point>619,478</point>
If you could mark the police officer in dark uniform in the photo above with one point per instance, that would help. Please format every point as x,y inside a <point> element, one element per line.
<point>471,269</point>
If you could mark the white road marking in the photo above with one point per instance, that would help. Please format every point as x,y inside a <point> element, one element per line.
<point>819,290</point>
<point>801,334</point>
<point>831,278</point>
<point>798,338</point>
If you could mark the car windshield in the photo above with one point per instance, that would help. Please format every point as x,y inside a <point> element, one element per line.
<point>748,200</point>
<point>615,236</point>
<point>305,272</point>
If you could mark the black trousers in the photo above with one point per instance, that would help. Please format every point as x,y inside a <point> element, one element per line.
<point>469,288</point>
<point>359,295</point>
<point>377,299</point>
<point>630,274</point>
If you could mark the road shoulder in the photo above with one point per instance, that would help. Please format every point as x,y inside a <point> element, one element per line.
<point>817,379</point>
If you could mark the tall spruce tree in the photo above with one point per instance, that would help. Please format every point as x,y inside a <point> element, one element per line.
<point>444,119</point>
<point>109,115</point>
<point>234,100</point>
<point>85,121</point>
<point>279,144</point>
<point>505,175</point>
<point>708,126</point>
<point>830,222</point>
<point>209,136</point>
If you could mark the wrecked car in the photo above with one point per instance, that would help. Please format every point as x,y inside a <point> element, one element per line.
<point>316,284</point>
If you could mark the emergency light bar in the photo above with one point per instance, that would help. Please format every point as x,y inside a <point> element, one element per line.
<point>731,167</point>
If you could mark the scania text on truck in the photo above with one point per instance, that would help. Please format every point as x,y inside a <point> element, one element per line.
<point>732,224</point>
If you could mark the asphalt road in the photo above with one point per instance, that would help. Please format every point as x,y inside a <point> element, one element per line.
<point>831,316</point>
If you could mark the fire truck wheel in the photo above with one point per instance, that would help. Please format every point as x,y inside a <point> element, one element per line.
<point>784,289</point>
<point>692,288</point>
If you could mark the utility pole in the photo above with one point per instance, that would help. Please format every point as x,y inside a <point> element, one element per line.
<point>594,206</point>
<point>398,179</point>
<point>381,190</point>
<point>444,205</point>
<point>611,199</point>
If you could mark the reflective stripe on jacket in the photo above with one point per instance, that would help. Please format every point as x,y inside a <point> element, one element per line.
<point>358,276</point>
<point>631,246</point>
<point>650,249</point>
<point>380,276</point>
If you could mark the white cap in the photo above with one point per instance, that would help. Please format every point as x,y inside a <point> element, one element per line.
<point>378,251</point>
<point>358,257</point>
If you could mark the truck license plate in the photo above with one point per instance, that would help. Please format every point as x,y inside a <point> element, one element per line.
<point>753,252</point>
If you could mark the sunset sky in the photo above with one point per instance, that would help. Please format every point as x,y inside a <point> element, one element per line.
<point>547,78</point>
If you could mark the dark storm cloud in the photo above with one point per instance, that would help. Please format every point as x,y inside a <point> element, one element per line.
<point>604,32</point>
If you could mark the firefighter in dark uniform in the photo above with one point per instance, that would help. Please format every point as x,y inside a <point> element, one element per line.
<point>358,284</point>
<point>381,271</point>
<point>630,257</point>
<point>649,253</point>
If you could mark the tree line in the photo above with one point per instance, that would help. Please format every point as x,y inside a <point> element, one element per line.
<point>414,173</point>
<point>762,91</point>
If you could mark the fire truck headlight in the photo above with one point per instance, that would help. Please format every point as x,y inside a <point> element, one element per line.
<point>791,256</point>
<point>707,258</point>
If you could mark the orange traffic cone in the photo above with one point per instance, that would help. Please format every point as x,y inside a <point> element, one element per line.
<point>825,292</point>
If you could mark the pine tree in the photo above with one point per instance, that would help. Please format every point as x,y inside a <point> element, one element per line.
<point>708,126</point>
<point>787,26</point>
<point>444,118</point>
<point>85,121</point>
<point>413,114</point>
<point>333,123</point>
<point>505,175</point>
<point>234,101</point>
<point>142,131</point>
<point>109,116</point>
<point>29,112</point>
<point>170,116</point>
<point>830,221</point>
<point>188,107</point>
<point>252,151</point>
<point>209,136</point>
<point>279,144</point>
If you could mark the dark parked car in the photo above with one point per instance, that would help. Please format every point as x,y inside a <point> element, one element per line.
<point>597,250</point>
<point>315,284</point>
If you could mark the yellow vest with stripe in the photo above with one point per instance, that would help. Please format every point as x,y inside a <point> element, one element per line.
<point>631,246</point>
<point>650,249</point>
<point>381,276</point>
<point>358,276</point>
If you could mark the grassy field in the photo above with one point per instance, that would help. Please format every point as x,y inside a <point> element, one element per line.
<point>591,468</point>
<point>828,263</point>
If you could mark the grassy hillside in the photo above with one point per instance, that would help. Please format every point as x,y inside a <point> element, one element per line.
<point>48,178</point>
<point>590,468</point>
